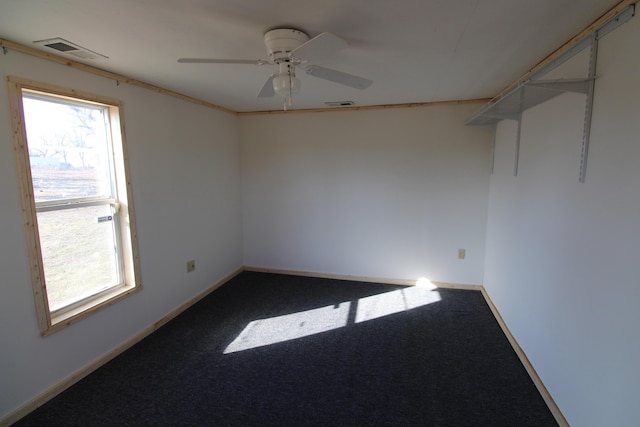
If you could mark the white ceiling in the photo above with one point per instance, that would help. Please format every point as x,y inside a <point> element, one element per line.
<point>413,50</point>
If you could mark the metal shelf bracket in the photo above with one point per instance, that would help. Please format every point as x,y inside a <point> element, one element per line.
<point>529,93</point>
<point>588,113</point>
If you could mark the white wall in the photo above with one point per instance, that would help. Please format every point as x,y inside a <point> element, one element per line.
<point>384,193</point>
<point>562,257</point>
<point>184,162</point>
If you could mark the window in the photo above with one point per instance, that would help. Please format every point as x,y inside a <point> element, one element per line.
<point>76,201</point>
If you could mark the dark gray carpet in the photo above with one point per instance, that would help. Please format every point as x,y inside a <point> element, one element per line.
<point>446,363</point>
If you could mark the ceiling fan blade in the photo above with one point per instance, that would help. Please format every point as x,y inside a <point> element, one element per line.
<point>222,61</point>
<point>267,89</point>
<point>320,46</point>
<point>338,77</point>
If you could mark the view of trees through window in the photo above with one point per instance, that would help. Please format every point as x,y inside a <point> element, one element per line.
<point>66,149</point>
<point>71,171</point>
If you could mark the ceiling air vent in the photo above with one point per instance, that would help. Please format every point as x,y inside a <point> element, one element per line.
<point>339,103</point>
<point>68,48</point>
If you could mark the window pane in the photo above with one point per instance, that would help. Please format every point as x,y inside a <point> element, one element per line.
<point>67,149</point>
<point>78,252</point>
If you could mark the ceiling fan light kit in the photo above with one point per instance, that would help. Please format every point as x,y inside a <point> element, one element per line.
<point>288,48</point>
<point>286,84</point>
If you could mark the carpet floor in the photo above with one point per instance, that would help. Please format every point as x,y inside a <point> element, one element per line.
<point>276,350</point>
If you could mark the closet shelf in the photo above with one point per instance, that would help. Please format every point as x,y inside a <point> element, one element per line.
<point>525,96</point>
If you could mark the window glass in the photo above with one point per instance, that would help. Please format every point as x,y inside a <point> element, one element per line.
<point>68,149</point>
<point>78,252</point>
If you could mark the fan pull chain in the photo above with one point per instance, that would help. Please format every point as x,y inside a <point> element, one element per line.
<point>288,101</point>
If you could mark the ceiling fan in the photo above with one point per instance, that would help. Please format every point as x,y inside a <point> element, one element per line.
<point>289,48</point>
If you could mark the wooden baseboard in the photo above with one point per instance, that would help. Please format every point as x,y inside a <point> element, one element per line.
<point>88,369</point>
<point>49,394</point>
<point>83,372</point>
<point>197,298</point>
<point>561,420</point>
<point>384,280</point>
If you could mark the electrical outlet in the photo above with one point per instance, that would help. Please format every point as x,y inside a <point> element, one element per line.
<point>461,253</point>
<point>191,265</point>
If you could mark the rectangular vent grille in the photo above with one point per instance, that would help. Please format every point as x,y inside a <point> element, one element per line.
<point>64,46</point>
<point>339,103</point>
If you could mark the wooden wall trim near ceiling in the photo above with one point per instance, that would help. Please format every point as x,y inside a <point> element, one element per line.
<point>367,107</point>
<point>6,44</point>
<point>566,46</point>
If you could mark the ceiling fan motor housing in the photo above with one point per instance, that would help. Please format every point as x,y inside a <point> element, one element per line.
<point>280,42</point>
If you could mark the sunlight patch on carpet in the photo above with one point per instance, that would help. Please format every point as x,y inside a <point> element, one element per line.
<point>381,305</point>
<point>263,332</point>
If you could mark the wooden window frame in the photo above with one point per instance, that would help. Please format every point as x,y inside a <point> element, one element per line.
<point>49,322</point>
